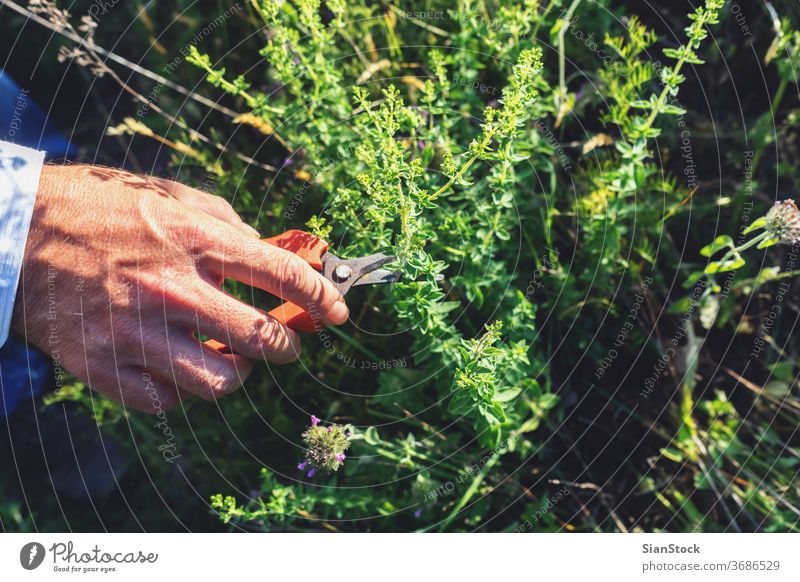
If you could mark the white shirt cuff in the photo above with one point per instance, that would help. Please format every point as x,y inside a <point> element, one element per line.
<point>20,168</point>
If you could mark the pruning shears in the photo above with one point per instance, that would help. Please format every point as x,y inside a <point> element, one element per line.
<point>343,273</point>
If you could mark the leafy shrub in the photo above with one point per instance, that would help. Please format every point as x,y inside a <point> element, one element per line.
<point>558,350</point>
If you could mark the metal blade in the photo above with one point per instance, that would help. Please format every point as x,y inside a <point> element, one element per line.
<point>382,276</point>
<point>344,273</point>
<point>378,277</point>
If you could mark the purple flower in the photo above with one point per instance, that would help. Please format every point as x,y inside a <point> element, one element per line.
<point>314,420</point>
<point>302,465</point>
<point>330,428</point>
<point>424,114</point>
<point>287,162</point>
<point>340,457</point>
<point>311,473</point>
<point>421,144</point>
<point>296,60</point>
<point>417,513</point>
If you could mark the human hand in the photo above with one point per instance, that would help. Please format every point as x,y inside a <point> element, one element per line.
<point>121,271</point>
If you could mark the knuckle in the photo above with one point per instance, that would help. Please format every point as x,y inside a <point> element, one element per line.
<point>165,286</point>
<point>286,349</point>
<point>164,186</point>
<point>276,343</point>
<point>221,383</point>
<point>187,232</point>
<point>223,206</point>
<point>292,273</point>
<point>126,333</point>
<point>254,341</point>
<point>266,333</point>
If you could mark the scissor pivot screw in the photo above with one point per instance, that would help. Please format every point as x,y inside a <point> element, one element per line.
<point>342,273</point>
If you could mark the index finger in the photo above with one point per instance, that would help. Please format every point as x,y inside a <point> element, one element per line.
<point>280,272</point>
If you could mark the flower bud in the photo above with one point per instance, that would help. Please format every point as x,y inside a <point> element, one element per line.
<point>783,222</point>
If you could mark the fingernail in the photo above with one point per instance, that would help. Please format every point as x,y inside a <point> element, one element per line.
<point>339,312</point>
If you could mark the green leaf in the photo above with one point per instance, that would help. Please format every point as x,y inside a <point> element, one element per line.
<point>692,279</point>
<point>641,104</point>
<point>724,266</point>
<point>672,454</point>
<point>498,411</point>
<point>759,223</point>
<point>427,154</point>
<point>487,413</point>
<point>548,401</point>
<point>784,370</point>
<point>700,481</point>
<point>371,436</point>
<point>768,242</point>
<point>778,389</point>
<point>693,59</point>
<point>461,403</point>
<point>721,242</point>
<point>507,394</point>
<point>673,109</point>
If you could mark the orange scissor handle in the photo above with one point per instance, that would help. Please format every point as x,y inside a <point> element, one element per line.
<point>305,245</point>
<point>308,247</point>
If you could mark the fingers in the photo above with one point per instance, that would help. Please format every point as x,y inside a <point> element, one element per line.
<point>276,271</point>
<point>210,204</point>
<point>197,369</point>
<point>257,263</point>
<point>247,330</point>
<point>137,389</point>
<point>169,371</point>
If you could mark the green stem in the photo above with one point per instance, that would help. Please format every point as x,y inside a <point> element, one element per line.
<point>347,338</point>
<point>506,163</point>
<point>737,250</point>
<point>663,96</point>
<point>473,487</point>
<point>562,82</point>
<point>542,19</point>
<point>778,277</point>
<point>734,252</point>
<point>492,228</point>
<point>403,212</point>
<point>458,175</point>
<point>752,241</point>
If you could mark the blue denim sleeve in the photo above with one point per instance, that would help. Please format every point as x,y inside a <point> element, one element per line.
<point>20,168</point>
